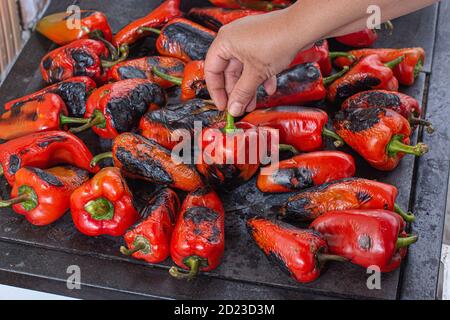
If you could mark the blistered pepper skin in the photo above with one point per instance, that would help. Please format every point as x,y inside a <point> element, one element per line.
<point>359,39</point>
<point>294,250</point>
<point>79,58</point>
<point>307,170</point>
<point>194,83</point>
<point>347,194</point>
<point>320,53</point>
<point>215,18</point>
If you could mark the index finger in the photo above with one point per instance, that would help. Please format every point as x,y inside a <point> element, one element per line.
<point>215,65</point>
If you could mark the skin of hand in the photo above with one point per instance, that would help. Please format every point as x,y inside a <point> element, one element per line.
<point>253,50</point>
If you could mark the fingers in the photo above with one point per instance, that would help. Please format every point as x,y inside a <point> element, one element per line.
<point>232,74</point>
<point>215,65</point>
<point>270,85</point>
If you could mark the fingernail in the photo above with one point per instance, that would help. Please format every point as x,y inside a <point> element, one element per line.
<point>235,109</point>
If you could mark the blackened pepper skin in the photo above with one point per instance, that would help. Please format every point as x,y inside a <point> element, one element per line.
<point>358,120</point>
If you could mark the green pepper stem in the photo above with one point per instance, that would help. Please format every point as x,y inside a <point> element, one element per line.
<point>339,142</point>
<point>128,252</point>
<point>165,76</point>
<point>1,171</point>
<point>97,119</point>
<point>396,146</point>
<point>323,257</point>
<point>124,51</point>
<point>407,241</point>
<point>11,202</point>
<point>230,126</point>
<point>68,120</point>
<point>288,147</point>
<point>421,122</point>
<point>100,157</point>
<point>329,80</point>
<point>392,64</point>
<point>98,35</point>
<point>100,209</point>
<point>149,29</point>
<point>407,216</point>
<point>193,263</point>
<point>338,54</point>
<point>389,26</point>
<point>418,68</point>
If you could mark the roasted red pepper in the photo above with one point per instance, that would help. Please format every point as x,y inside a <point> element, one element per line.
<point>45,113</point>
<point>252,4</point>
<point>198,241</point>
<point>183,39</point>
<point>320,53</point>
<point>359,39</point>
<point>193,84</point>
<point>144,159</point>
<point>298,85</point>
<point>74,92</point>
<point>43,150</point>
<point>365,237</point>
<point>401,103</point>
<point>406,72</point>
<point>56,27</point>
<point>103,205</point>
<point>167,11</point>
<point>367,74</point>
<point>381,136</point>
<point>347,194</point>
<point>302,128</point>
<point>43,196</point>
<point>161,125</point>
<point>215,18</point>
<point>79,58</point>
<point>298,252</point>
<point>143,69</point>
<point>118,107</point>
<point>307,170</point>
<point>149,239</point>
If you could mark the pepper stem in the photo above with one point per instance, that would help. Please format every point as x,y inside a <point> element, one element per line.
<point>100,209</point>
<point>338,54</point>
<point>230,126</point>
<point>124,51</point>
<point>68,120</point>
<point>407,216</point>
<point>1,171</point>
<point>329,80</point>
<point>392,64</point>
<point>288,147</point>
<point>98,35</point>
<point>339,142</point>
<point>128,252</point>
<point>396,146</point>
<point>97,119</point>
<point>324,257</point>
<point>418,68</point>
<point>149,29</point>
<point>421,122</point>
<point>193,263</point>
<point>165,76</point>
<point>407,241</point>
<point>11,202</point>
<point>389,26</point>
<point>100,157</point>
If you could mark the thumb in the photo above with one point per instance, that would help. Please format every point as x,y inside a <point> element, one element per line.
<point>244,92</point>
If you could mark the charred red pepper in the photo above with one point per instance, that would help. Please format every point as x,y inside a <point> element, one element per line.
<point>45,113</point>
<point>365,237</point>
<point>307,170</point>
<point>118,107</point>
<point>56,27</point>
<point>401,103</point>
<point>198,241</point>
<point>302,128</point>
<point>252,4</point>
<point>149,239</point>
<point>43,150</point>
<point>143,69</point>
<point>367,74</point>
<point>43,196</point>
<point>144,159</point>
<point>215,18</point>
<point>298,85</point>
<point>359,39</point>
<point>380,136</point>
<point>79,58</point>
<point>74,92</point>
<point>320,53</point>
<point>183,39</point>
<point>103,205</point>
<point>346,194</point>
<point>161,125</point>
<point>193,84</point>
<point>298,252</point>
<point>167,11</point>
<point>406,72</point>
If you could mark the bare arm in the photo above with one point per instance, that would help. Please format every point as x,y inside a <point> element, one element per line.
<point>252,50</point>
